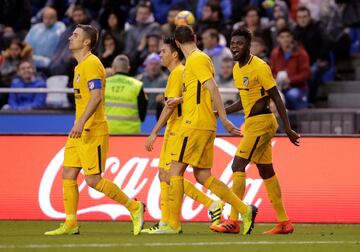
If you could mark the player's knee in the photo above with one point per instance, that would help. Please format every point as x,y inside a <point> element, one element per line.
<point>92,181</point>
<point>69,173</point>
<point>239,164</point>
<point>266,171</point>
<point>201,177</point>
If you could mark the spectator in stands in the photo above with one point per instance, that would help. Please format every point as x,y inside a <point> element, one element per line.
<point>258,48</point>
<point>153,77</point>
<point>253,23</point>
<point>225,5</point>
<point>16,52</point>
<point>26,79</point>
<point>91,6</point>
<point>224,79</point>
<point>212,17</point>
<point>277,25</point>
<point>150,44</point>
<point>114,26</point>
<point>291,66</point>
<point>110,50</point>
<point>15,18</point>
<point>309,33</point>
<point>210,40</point>
<point>168,28</point>
<point>125,100</point>
<point>44,38</point>
<point>144,25</point>
<point>333,26</point>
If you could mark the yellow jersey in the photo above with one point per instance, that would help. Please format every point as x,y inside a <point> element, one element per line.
<point>198,105</point>
<point>90,74</point>
<point>174,89</point>
<point>252,80</point>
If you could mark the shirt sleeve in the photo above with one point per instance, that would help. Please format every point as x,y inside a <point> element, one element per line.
<point>94,75</point>
<point>174,85</point>
<point>203,68</point>
<point>265,77</point>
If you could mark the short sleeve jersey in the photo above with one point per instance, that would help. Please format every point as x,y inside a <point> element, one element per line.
<point>174,89</point>
<point>252,80</point>
<point>198,105</point>
<point>89,75</point>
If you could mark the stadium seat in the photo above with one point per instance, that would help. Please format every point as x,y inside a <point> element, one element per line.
<point>57,100</point>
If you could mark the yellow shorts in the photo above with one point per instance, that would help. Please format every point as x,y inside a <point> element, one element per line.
<point>256,143</point>
<point>166,150</point>
<point>87,152</point>
<point>195,147</point>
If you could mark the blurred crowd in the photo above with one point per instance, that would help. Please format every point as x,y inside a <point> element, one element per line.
<point>300,39</point>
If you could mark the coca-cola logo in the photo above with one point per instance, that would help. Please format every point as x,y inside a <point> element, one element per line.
<point>134,178</point>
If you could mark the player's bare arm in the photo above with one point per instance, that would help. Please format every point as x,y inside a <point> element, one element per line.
<point>235,107</point>
<point>164,116</point>
<point>219,106</point>
<point>174,102</point>
<point>275,96</point>
<point>95,99</point>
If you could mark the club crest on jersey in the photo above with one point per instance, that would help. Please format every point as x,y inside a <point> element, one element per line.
<point>77,78</point>
<point>91,85</point>
<point>246,81</point>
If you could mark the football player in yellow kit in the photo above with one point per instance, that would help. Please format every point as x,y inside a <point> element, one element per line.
<point>87,144</point>
<point>195,141</point>
<point>171,57</point>
<point>256,85</point>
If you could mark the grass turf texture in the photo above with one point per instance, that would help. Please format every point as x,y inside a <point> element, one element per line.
<point>117,236</point>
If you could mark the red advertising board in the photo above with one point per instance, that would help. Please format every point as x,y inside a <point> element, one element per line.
<point>320,179</point>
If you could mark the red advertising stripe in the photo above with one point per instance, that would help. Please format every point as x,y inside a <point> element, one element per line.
<point>319,180</point>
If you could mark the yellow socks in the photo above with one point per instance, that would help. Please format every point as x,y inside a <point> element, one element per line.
<point>176,193</point>
<point>239,180</point>
<point>114,192</point>
<point>197,195</point>
<point>224,193</point>
<point>274,192</point>
<point>71,199</point>
<point>164,202</point>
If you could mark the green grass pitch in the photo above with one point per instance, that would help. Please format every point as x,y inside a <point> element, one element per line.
<point>117,236</point>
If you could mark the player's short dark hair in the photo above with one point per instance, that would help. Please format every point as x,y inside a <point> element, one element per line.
<point>184,34</point>
<point>90,32</point>
<point>171,42</point>
<point>285,30</point>
<point>242,32</point>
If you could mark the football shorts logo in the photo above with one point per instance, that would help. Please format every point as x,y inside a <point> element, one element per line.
<point>78,78</point>
<point>246,81</point>
<point>91,85</point>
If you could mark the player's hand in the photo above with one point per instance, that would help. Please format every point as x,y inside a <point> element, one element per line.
<point>173,102</point>
<point>76,130</point>
<point>149,142</point>
<point>293,136</point>
<point>231,128</point>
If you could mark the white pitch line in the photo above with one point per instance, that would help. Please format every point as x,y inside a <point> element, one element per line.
<point>171,244</point>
